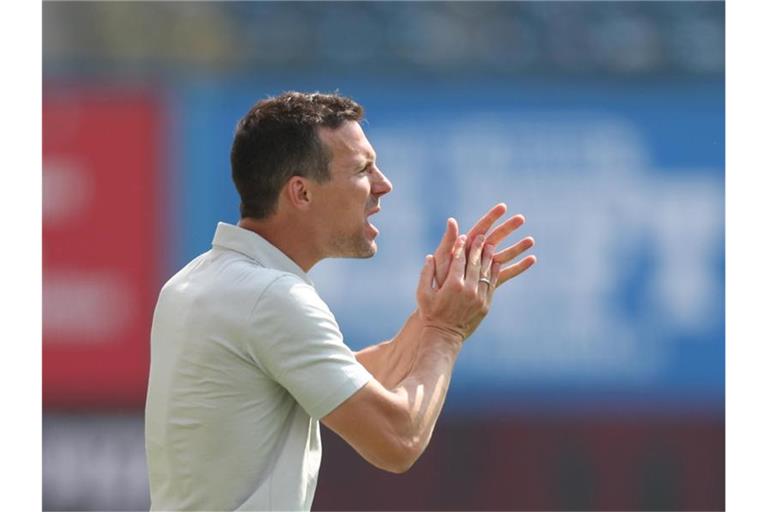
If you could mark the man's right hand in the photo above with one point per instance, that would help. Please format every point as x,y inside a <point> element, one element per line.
<point>458,305</point>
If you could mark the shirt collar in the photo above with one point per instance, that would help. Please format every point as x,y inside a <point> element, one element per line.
<point>256,247</point>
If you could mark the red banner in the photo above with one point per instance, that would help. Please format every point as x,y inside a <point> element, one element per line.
<point>101,170</point>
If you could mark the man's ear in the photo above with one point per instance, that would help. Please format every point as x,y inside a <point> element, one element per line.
<point>298,192</point>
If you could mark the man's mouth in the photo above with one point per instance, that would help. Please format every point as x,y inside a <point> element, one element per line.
<point>367,219</point>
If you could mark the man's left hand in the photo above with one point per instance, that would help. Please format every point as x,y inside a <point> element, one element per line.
<point>494,238</point>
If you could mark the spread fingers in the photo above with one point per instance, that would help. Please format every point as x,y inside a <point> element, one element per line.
<point>504,229</point>
<point>510,253</point>
<point>516,269</point>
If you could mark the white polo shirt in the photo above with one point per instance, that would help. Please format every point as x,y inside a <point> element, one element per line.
<point>245,359</point>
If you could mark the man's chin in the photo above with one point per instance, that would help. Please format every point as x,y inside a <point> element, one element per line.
<point>371,251</point>
<point>362,247</point>
<point>366,246</point>
<point>365,251</point>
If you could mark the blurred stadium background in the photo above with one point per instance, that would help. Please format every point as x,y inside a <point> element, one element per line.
<point>597,382</point>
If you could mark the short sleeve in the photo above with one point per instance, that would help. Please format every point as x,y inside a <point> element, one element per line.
<point>297,341</point>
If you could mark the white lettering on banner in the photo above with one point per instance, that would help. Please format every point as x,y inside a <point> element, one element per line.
<point>602,219</point>
<point>628,253</point>
<point>86,306</point>
<point>66,191</point>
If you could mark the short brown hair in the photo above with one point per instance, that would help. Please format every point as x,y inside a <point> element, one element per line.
<point>278,139</point>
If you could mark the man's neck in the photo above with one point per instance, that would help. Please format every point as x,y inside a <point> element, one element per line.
<point>289,237</point>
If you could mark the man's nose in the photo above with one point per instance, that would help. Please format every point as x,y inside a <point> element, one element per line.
<point>381,184</point>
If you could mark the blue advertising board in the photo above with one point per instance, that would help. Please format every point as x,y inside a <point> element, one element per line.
<point>622,185</point>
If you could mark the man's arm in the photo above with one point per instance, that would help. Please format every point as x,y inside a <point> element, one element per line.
<point>391,427</point>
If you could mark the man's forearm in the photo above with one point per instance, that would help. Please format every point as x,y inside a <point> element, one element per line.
<point>416,365</point>
<point>390,428</point>
<point>425,387</point>
<point>391,361</point>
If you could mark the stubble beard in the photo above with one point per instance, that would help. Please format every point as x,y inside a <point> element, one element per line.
<point>357,246</point>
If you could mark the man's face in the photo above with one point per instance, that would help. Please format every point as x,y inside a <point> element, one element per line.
<point>345,202</point>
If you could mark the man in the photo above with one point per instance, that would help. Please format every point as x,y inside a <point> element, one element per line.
<point>246,357</point>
